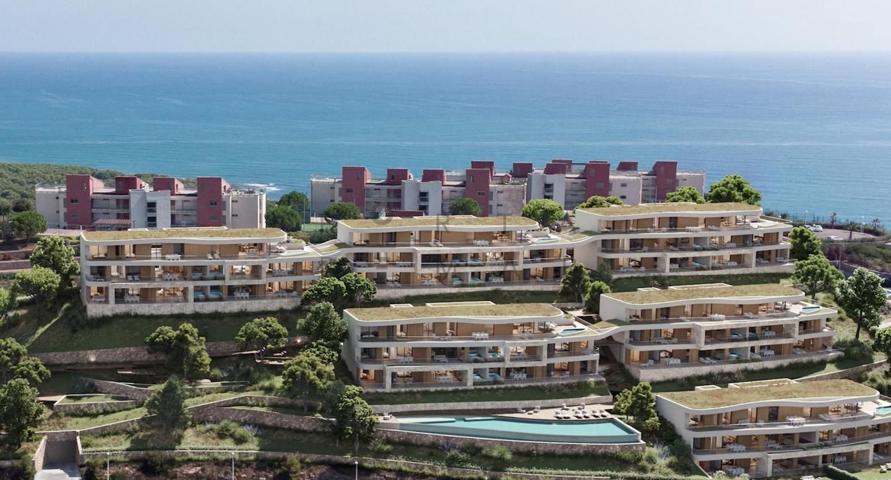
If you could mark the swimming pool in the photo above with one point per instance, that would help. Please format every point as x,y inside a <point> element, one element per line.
<point>608,430</point>
<point>571,331</point>
<point>810,309</point>
<point>883,410</point>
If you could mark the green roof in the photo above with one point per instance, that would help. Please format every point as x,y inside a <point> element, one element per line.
<point>728,397</point>
<point>645,297</point>
<point>680,207</point>
<point>196,233</point>
<point>441,221</point>
<point>479,310</point>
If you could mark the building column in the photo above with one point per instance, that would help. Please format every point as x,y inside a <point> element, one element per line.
<point>468,377</point>
<point>110,295</point>
<point>388,379</point>
<point>190,294</point>
<point>869,455</point>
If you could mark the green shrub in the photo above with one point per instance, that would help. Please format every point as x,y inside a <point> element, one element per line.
<point>836,473</point>
<point>455,458</point>
<point>233,431</point>
<point>293,466</point>
<point>155,464</point>
<point>855,350</point>
<point>500,455</point>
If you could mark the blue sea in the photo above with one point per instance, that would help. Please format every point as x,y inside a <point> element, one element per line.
<point>812,132</point>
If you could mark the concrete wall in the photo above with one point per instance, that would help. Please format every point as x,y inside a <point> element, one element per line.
<point>81,408</point>
<point>500,406</point>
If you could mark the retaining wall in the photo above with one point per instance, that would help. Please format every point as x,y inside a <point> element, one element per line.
<point>81,408</point>
<point>217,413</point>
<point>534,448</point>
<point>138,394</point>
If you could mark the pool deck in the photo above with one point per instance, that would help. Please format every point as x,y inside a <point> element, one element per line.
<point>550,413</point>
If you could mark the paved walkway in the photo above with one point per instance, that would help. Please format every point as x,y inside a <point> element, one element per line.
<point>59,472</point>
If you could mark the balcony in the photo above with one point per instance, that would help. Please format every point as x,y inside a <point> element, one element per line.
<point>693,248</point>
<point>825,419</point>
<point>748,337</point>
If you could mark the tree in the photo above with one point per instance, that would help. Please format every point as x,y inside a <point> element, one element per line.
<point>21,205</point>
<point>597,201</point>
<point>20,412</point>
<point>320,350</point>
<point>327,289</point>
<point>685,194</point>
<point>359,289</point>
<point>545,212</point>
<point>16,363</point>
<point>882,343</point>
<point>298,201</point>
<point>639,403</point>
<point>323,324</point>
<point>603,273</point>
<point>815,274</point>
<point>342,211</point>
<point>264,333</point>
<point>804,243</point>
<point>283,217</point>
<point>7,301</point>
<point>353,417</point>
<point>307,375</point>
<point>27,224</point>
<point>337,268</point>
<point>167,409</point>
<point>592,295</point>
<point>38,282</point>
<point>5,208</point>
<point>184,348</point>
<point>733,188</point>
<point>464,206</point>
<point>575,282</point>
<point>862,297</point>
<point>54,253</point>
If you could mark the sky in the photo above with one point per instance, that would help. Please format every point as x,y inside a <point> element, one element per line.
<point>444,25</point>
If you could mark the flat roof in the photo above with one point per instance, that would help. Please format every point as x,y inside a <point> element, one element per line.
<point>728,397</point>
<point>196,233</point>
<point>458,310</point>
<point>679,207</point>
<point>443,221</point>
<point>648,296</point>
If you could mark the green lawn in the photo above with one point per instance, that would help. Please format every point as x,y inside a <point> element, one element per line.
<point>533,392</point>
<point>131,331</point>
<point>91,398</point>
<point>59,422</point>
<point>629,284</point>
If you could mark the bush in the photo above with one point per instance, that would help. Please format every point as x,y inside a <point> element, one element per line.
<point>154,464</point>
<point>233,431</point>
<point>836,473</point>
<point>855,350</point>
<point>293,466</point>
<point>457,458</point>
<point>500,454</point>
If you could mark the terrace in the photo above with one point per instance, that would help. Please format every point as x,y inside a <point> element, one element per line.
<point>845,391</point>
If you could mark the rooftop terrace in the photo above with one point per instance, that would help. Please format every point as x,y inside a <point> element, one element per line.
<point>728,397</point>
<point>183,233</point>
<point>680,207</point>
<point>650,296</point>
<point>440,221</point>
<point>475,310</point>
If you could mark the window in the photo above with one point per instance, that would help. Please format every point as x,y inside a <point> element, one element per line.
<point>623,197</point>
<point>349,190</point>
<point>623,185</point>
<point>213,203</point>
<point>75,200</point>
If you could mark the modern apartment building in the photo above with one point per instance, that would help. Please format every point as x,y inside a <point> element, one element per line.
<point>498,193</point>
<point>431,252</point>
<point>781,428</point>
<point>672,238</point>
<point>193,270</point>
<point>466,345</point>
<point>85,202</point>
<point>684,331</point>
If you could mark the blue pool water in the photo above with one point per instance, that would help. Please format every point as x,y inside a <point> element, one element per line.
<point>571,331</point>
<point>882,411</point>
<point>505,428</point>
<point>810,309</point>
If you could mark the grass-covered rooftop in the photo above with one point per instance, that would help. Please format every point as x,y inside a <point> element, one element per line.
<point>441,221</point>
<point>196,233</point>
<point>473,311</point>
<point>679,207</point>
<point>728,397</point>
<point>651,296</point>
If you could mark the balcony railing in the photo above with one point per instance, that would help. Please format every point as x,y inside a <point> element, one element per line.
<point>718,318</point>
<point>780,447</point>
<point>751,337</point>
<point>700,363</point>
<point>471,284</point>
<point>694,248</point>
<point>822,420</point>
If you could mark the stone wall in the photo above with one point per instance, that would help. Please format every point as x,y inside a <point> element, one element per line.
<point>138,394</point>
<point>402,292</point>
<point>499,406</point>
<point>534,448</point>
<point>126,356</point>
<point>851,373</point>
<point>95,310</point>
<point>81,408</point>
<point>215,413</point>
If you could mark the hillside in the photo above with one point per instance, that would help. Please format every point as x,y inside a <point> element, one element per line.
<point>17,180</point>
